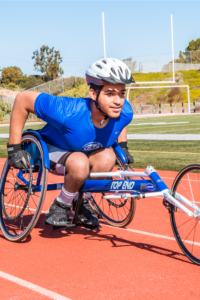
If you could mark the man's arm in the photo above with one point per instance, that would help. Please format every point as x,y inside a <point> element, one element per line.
<point>122,140</point>
<point>24,104</point>
<point>123,136</point>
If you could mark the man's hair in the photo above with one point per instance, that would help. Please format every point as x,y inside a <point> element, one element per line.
<point>96,88</point>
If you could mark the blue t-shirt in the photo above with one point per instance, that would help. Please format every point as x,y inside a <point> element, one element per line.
<point>69,125</point>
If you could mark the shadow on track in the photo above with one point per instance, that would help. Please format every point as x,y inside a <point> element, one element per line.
<point>96,235</point>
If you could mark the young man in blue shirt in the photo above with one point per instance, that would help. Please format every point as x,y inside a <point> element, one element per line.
<point>79,133</point>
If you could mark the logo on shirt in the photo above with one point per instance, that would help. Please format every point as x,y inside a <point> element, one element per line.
<point>92,146</point>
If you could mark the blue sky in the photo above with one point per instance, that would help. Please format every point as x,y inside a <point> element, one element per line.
<point>133,28</point>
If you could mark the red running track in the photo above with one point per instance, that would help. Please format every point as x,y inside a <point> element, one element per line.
<point>106,264</point>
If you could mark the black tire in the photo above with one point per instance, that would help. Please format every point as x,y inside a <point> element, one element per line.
<point>20,205</point>
<point>187,229</point>
<point>115,212</point>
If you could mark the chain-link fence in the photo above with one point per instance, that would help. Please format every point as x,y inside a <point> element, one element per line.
<point>188,60</point>
<point>8,99</point>
<point>180,67</point>
<point>58,85</point>
<point>52,87</point>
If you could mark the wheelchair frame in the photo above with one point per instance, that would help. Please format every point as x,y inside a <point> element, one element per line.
<point>120,188</point>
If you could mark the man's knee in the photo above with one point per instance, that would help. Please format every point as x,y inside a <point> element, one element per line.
<point>105,160</point>
<point>109,157</point>
<point>78,165</point>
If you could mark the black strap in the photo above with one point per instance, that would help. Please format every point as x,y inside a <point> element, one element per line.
<point>13,148</point>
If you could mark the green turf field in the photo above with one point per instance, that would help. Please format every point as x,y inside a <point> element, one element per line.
<point>183,124</point>
<point>3,142</point>
<point>179,153</point>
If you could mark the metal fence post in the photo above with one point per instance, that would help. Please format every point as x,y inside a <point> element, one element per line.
<point>49,88</point>
<point>182,108</point>
<point>194,107</point>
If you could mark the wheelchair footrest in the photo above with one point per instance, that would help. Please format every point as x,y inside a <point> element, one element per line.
<point>61,227</point>
<point>89,227</point>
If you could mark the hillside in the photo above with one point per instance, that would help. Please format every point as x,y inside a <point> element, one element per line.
<point>155,96</point>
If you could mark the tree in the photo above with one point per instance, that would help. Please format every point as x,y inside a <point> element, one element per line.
<point>47,61</point>
<point>27,82</point>
<point>10,74</point>
<point>193,45</point>
<point>191,54</point>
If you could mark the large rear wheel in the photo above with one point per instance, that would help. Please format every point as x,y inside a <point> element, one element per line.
<point>187,229</point>
<point>21,198</point>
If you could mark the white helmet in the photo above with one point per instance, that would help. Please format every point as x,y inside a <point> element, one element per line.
<point>110,70</point>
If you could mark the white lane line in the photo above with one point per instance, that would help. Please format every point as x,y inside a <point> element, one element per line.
<point>5,204</point>
<point>26,124</point>
<point>167,136</point>
<point>153,234</point>
<point>160,123</point>
<point>32,287</point>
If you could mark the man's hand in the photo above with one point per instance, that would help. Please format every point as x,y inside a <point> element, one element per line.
<point>18,158</point>
<point>124,147</point>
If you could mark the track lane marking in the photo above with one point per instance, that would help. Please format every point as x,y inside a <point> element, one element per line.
<point>152,234</point>
<point>32,287</point>
<point>138,231</point>
<point>12,205</point>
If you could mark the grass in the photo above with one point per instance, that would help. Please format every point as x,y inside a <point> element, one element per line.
<point>6,128</point>
<point>152,126</point>
<point>164,161</point>
<point>171,161</point>
<point>3,142</point>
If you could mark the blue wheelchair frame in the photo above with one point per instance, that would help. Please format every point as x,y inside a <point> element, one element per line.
<point>155,184</point>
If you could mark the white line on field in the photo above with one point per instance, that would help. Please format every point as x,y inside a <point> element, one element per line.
<point>160,123</point>
<point>179,130</point>
<point>32,287</point>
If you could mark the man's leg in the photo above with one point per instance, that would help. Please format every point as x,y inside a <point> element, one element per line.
<point>77,168</point>
<point>102,160</point>
<point>122,140</point>
<point>76,172</point>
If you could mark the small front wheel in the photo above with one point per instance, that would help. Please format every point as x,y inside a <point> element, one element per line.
<point>187,229</point>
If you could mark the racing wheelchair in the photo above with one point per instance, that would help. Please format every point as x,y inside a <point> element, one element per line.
<point>114,198</point>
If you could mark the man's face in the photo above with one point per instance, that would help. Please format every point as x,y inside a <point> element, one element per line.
<point>111,99</point>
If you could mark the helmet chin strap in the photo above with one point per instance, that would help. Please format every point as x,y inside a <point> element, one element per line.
<point>97,106</point>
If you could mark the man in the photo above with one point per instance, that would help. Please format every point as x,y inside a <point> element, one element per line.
<point>78,134</point>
